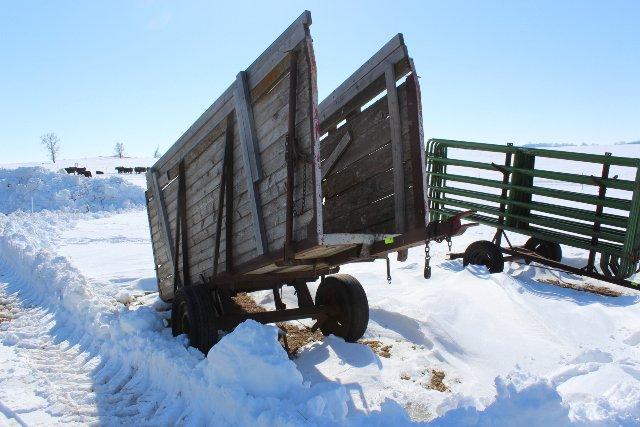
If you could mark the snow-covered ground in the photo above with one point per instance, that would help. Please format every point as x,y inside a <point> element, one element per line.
<point>82,339</point>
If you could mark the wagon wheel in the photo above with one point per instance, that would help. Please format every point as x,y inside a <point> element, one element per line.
<point>344,296</point>
<point>544,248</point>
<point>484,253</point>
<point>193,313</point>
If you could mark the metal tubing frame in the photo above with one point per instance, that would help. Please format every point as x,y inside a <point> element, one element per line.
<point>595,235</point>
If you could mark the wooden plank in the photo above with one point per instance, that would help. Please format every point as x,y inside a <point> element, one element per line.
<point>370,130</point>
<point>162,211</point>
<point>330,161</point>
<point>396,148</point>
<point>366,205</point>
<point>247,127</point>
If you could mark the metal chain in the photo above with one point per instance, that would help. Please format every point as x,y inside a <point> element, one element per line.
<point>427,259</point>
<point>298,212</point>
<point>303,160</point>
<point>388,270</point>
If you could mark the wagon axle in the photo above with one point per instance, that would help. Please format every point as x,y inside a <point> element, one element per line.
<point>340,308</point>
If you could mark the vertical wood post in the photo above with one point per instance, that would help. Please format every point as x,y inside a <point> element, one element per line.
<point>163,217</point>
<point>396,148</point>
<point>289,154</point>
<point>250,153</point>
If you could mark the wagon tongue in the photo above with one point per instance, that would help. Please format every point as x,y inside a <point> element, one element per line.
<point>451,227</point>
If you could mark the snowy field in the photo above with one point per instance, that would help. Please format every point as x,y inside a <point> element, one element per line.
<point>83,336</point>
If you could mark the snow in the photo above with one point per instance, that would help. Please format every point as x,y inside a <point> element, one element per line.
<point>86,338</point>
<point>36,189</point>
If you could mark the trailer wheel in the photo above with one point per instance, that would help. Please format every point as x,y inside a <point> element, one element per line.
<point>544,248</point>
<point>484,253</point>
<point>194,314</point>
<point>344,294</point>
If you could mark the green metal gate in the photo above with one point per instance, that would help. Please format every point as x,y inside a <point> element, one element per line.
<point>502,184</point>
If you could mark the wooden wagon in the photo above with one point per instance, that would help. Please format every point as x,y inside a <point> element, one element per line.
<point>267,188</point>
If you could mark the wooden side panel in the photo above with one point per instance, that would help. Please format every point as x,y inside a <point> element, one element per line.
<point>359,191</point>
<point>374,184</point>
<point>202,149</point>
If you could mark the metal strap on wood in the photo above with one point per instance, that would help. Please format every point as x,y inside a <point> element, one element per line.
<point>289,154</point>
<point>227,162</point>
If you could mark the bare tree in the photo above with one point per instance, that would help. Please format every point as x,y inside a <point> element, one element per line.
<point>119,150</point>
<point>51,143</point>
<point>156,153</point>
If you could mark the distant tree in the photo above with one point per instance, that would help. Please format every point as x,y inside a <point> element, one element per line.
<point>51,143</point>
<point>119,149</point>
<point>156,153</point>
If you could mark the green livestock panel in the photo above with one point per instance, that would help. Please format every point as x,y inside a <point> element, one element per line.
<point>587,201</point>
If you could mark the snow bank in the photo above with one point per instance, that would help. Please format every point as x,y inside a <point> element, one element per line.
<point>536,404</point>
<point>247,379</point>
<point>36,188</point>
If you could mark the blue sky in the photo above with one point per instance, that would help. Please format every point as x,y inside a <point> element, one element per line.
<point>141,72</point>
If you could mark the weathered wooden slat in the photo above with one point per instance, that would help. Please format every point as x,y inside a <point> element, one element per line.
<point>396,148</point>
<point>370,130</point>
<point>351,213</point>
<point>330,161</point>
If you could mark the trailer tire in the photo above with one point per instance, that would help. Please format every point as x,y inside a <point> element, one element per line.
<point>194,314</point>
<point>344,293</point>
<point>544,248</point>
<point>484,252</point>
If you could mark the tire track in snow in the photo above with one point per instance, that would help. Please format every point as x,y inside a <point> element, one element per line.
<point>70,381</point>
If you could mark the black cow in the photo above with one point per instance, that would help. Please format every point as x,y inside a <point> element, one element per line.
<point>99,173</point>
<point>127,170</point>
<point>87,174</point>
<point>70,169</point>
<point>81,171</point>
<point>120,169</point>
<point>140,169</point>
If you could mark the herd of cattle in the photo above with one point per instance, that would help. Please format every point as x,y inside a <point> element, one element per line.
<point>121,169</point>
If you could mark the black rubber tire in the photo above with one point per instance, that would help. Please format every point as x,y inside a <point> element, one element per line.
<point>194,314</point>
<point>484,252</point>
<point>544,248</point>
<point>347,295</point>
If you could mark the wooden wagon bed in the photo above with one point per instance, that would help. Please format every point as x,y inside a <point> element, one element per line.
<point>269,186</point>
